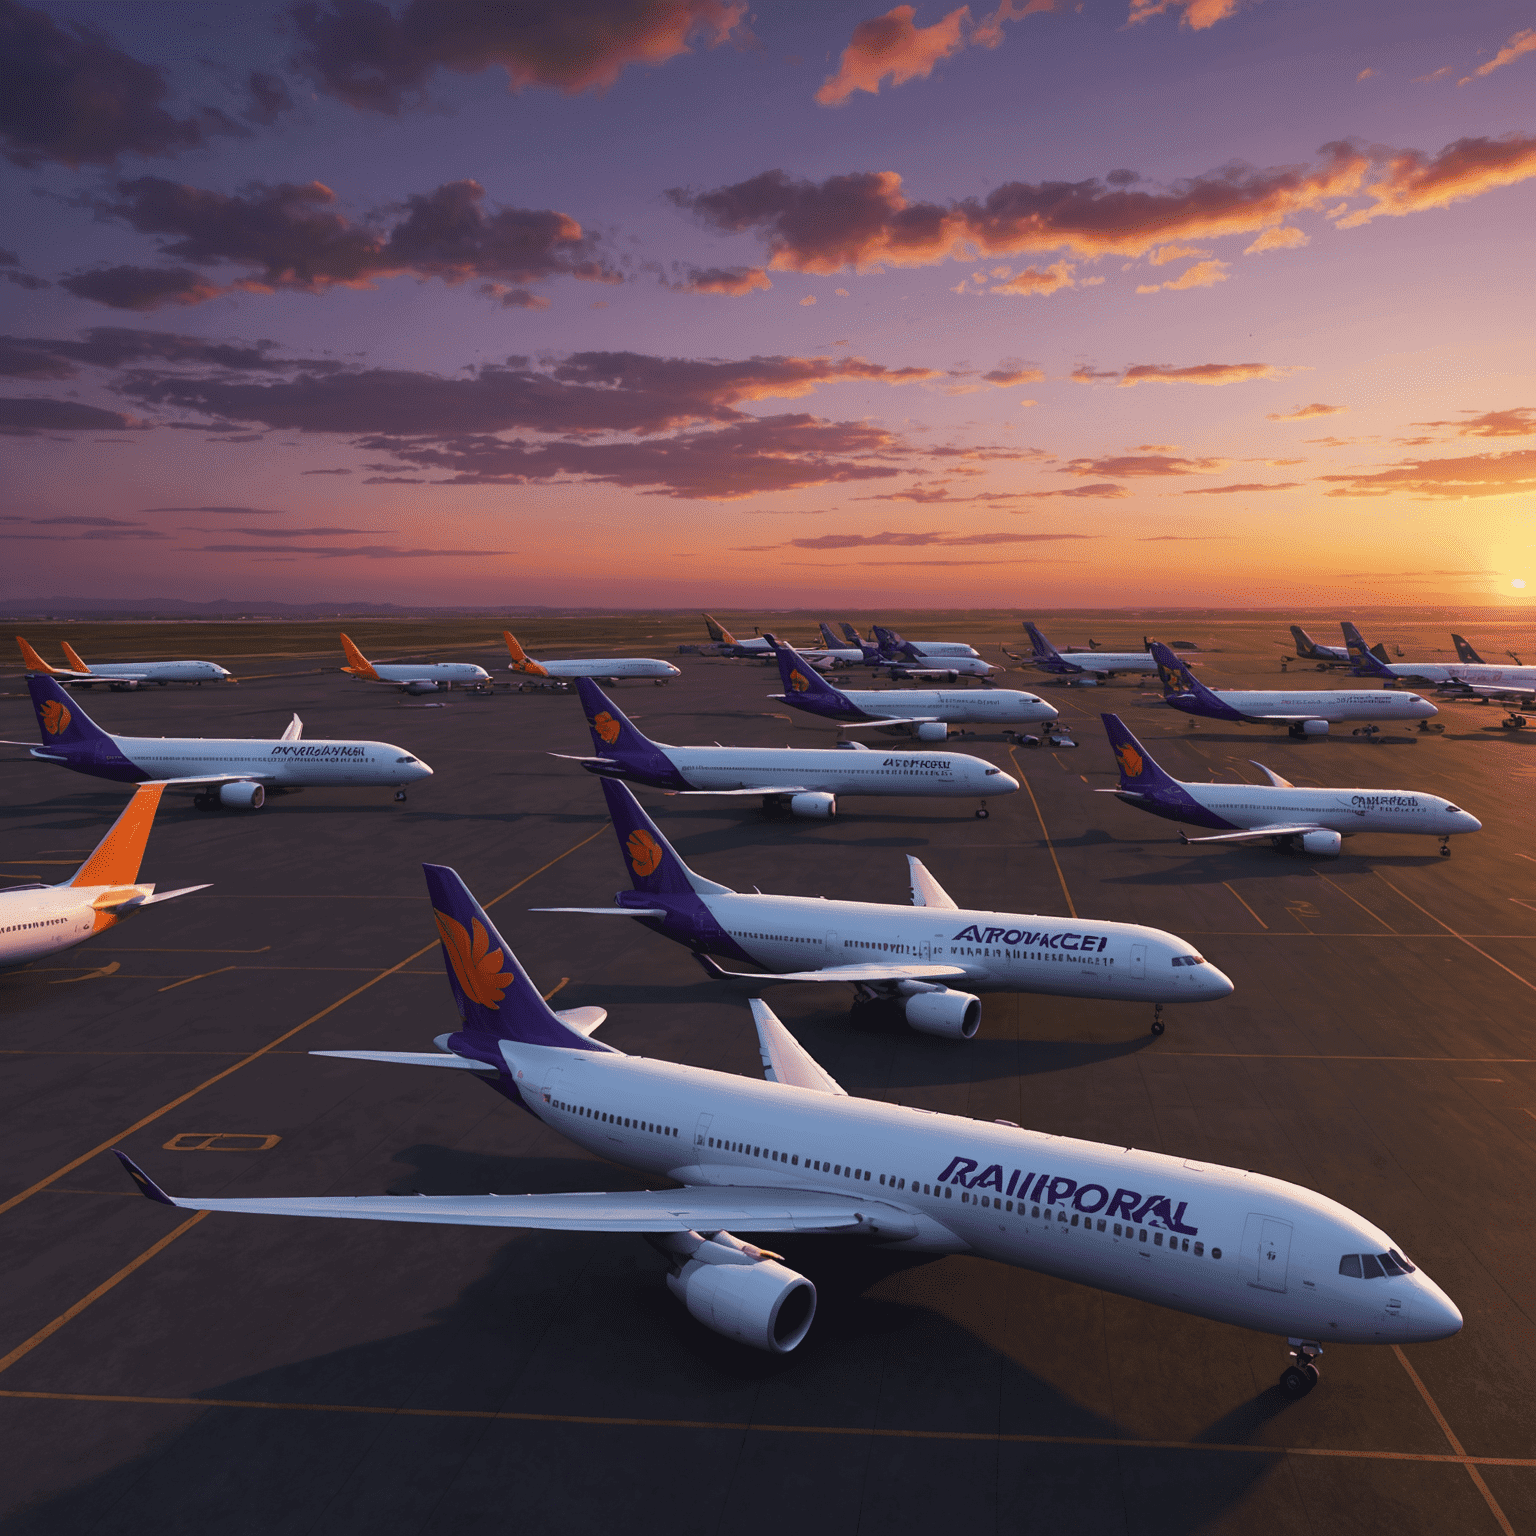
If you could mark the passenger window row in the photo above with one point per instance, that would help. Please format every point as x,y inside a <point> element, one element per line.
<point>1373,1266</point>
<point>609,1119</point>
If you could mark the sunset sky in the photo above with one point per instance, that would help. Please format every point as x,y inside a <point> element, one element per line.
<point>669,302</point>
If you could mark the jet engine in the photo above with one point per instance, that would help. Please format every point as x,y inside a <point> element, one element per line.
<point>739,1291</point>
<point>952,1015</point>
<point>1314,727</point>
<point>1327,843</point>
<point>933,730</point>
<point>423,685</point>
<point>821,806</point>
<point>244,796</point>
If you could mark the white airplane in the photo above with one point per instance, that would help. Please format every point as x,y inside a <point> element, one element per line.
<point>724,643</point>
<point>1086,668</point>
<point>946,650</point>
<point>416,676</point>
<point>237,772</point>
<point>924,713</point>
<point>1306,712</point>
<point>40,920</point>
<point>1510,685</point>
<point>795,1153</point>
<point>1311,820</point>
<point>913,955</point>
<point>609,668</point>
<point>1307,649</point>
<point>808,781</point>
<point>121,674</point>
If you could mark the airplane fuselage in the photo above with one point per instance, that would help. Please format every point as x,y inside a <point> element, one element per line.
<point>959,706</point>
<point>607,667</point>
<point>1097,662</point>
<point>151,672</point>
<point>1237,1247</point>
<point>463,673</point>
<point>1346,811</point>
<point>1480,674</point>
<point>42,920</point>
<point>1307,704</point>
<point>1000,951</point>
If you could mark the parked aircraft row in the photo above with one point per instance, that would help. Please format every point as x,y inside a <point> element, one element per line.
<point>121,674</point>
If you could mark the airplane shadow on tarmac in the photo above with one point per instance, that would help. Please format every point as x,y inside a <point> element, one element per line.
<point>568,1330</point>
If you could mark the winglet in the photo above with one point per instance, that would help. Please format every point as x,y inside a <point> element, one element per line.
<point>74,658</point>
<point>147,1186</point>
<point>116,858</point>
<point>521,661</point>
<point>359,666</point>
<point>34,662</point>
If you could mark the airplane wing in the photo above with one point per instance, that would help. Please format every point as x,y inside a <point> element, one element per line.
<point>785,1060</point>
<point>926,891</point>
<point>608,911</point>
<point>1499,691</point>
<point>631,1210</point>
<point>193,780</point>
<point>868,971</point>
<point>869,725</point>
<point>757,789</point>
<point>1258,834</point>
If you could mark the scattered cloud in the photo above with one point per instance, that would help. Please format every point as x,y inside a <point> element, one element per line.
<point>366,55</point>
<point>1337,442</point>
<point>93,529</point>
<point>1006,378</point>
<point>267,98</point>
<point>1032,280</point>
<point>1227,490</point>
<point>1522,42</point>
<point>325,471</point>
<point>27,416</point>
<point>1365,74</point>
<point>345,552</point>
<point>1519,422</point>
<point>1279,237</point>
<point>1307,412</point>
<point>1411,181</point>
<point>1103,492</point>
<point>144,289</point>
<point>1439,74</point>
<point>733,282</point>
<point>69,94</point>
<point>1128,465</point>
<point>808,300</point>
<point>117,346</point>
<point>1479,475</point>
<point>890,46</point>
<point>1199,373</point>
<point>1204,274</point>
<point>1197,15</point>
<point>1083,374</point>
<point>934,540</point>
<point>1166,253</point>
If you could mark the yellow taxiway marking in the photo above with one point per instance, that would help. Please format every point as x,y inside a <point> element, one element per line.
<point>69,1314</point>
<point>201,976</point>
<point>1453,933</point>
<point>1251,913</point>
<point>1455,1445</point>
<point>256,1055</point>
<point>557,986</point>
<point>90,975</point>
<point>730,1426</point>
<point>1342,892</point>
<point>1050,847</point>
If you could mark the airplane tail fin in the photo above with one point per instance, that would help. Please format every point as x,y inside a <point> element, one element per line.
<point>1305,644</point>
<point>1175,676</point>
<point>521,660</point>
<point>1362,662</point>
<point>496,999</point>
<point>830,640</point>
<point>34,662</point>
<point>1379,651</point>
<point>358,664</point>
<point>1044,650</point>
<point>1464,652</point>
<point>652,861</point>
<point>853,636</point>
<point>621,742</point>
<point>806,688</point>
<point>718,632</point>
<point>74,658</point>
<point>116,858</point>
<point>1139,774</point>
<point>62,720</point>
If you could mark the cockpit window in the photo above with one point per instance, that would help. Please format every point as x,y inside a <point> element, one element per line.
<point>1189,959</point>
<point>405,759</point>
<point>1371,1266</point>
<point>1350,1265</point>
<point>991,771</point>
<point>1455,810</point>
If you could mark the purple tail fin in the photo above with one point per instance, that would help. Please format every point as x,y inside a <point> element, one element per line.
<point>496,999</point>
<point>807,689</point>
<point>634,754</point>
<point>1043,647</point>
<point>652,862</point>
<point>1362,662</point>
<point>854,637</point>
<point>1464,651</point>
<point>66,727</point>
<point>1139,774</point>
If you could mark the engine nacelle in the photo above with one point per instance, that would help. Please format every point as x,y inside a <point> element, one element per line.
<point>424,686</point>
<point>822,807</point>
<point>952,1015</point>
<point>933,730</point>
<point>764,1305</point>
<point>1329,844</point>
<point>1314,727</point>
<point>244,797</point>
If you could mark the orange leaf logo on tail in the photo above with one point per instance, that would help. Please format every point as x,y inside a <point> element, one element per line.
<point>799,681</point>
<point>55,718</point>
<point>1130,761</point>
<point>477,966</point>
<point>644,852</point>
<point>606,727</point>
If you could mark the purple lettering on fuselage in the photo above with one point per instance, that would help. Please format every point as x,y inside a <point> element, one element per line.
<point>1084,942</point>
<point>1059,1189</point>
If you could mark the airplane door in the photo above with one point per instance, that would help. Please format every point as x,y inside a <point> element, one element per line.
<point>1138,962</point>
<point>701,1134</point>
<point>835,948</point>
<point>1266,1252</point>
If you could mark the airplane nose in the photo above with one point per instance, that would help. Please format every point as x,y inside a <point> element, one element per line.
<point>1434,1314</point>
<point>1006,785</point>
<point>422,771</point>
<point>1470,823</point>
<point>1215,983</point>
<point>1051,712</point>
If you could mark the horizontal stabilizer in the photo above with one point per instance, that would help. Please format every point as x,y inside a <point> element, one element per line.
<point>585,1019</point>
<point>785,1060</point>
<point>412,1059</point>
<point>1258,834</point>
<point>634,1210</point>
<point>185,890</point>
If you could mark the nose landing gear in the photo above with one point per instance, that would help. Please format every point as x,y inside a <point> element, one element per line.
<point>982,813</point>
<point>1298,1379</point>
<point>1157,1019</point>
<point>399,794</point>
<point>1445,847</point>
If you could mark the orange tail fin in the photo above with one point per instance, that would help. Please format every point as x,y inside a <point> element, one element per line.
<point>73,657</point>
<point>361,666</point>
<point>34,662</point>
<point>521,661</point>
<point>116,858</point>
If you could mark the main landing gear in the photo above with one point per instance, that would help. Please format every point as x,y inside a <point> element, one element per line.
<point>1298,1379</point>
<point>1157,1019</point>
<point>1514,723</point>
<point>1445,847</point>
<point>982,813</point>
<point>399,794</point>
